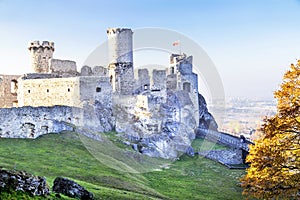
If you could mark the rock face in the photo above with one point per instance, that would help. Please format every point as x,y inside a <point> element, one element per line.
<point>71,189</point>
<point>22,181</point>
<point>164,129</point>
<point>206,120</point>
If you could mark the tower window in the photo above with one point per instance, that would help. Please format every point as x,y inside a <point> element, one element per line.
<point>47,90</point>
<point>28,91</point>
<point>98,89</point>
<point>187,87</point>
<point>69,90</point>
<point>172,70</point>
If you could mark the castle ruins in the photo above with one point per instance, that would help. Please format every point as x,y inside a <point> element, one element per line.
<point>158,109</point>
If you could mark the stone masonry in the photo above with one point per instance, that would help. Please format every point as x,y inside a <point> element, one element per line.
<point>157,111</point>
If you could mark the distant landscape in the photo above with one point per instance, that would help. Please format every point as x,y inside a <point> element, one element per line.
<point>244,116</point>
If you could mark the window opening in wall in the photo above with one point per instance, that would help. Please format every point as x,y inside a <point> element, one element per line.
<point>28,91</point>
<point>69,90</point>
<point>47,90</point>
<point>145,87</point>
<point>111,78</point>
<point>13,86</point>
<point>172,70</point>
<point>15,103</point>
<point>98,89</point>
<point>187,87</point>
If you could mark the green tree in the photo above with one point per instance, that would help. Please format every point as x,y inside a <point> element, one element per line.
<point>274,172</point>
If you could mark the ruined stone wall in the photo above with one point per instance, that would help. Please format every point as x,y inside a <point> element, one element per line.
<point>92,87</point>
<point>8,91</point>
<point>122,78</point>
<point>185,68</point>
<point>30,122</point>
<point>49,92</point>
<point>100,71</point>
<point>63,68</point>
<point>95,71</point>
<point>95,111</point>
<point>222,138</point>
<point>172,82</point>
<point>159,79</point>
<point>143,80</point>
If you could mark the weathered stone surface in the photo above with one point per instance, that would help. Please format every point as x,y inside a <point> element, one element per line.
<point>169,131</point>
<point>100,71</point>
<point>63,68</point>
<point>71,189</point>
<point>8,90</point>
<point>231,156</point>
<point>22,181</point>
<point>206,120</point>
<point>41,53</point>
<point>30,122</point>
<point>190,151</point>
<point>86,71</point>
<point>49,92</point>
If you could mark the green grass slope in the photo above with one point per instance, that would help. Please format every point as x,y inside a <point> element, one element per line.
<point>65,155</point>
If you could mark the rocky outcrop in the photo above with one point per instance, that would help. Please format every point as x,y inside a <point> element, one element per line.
<point>165,130</point>
<point>71,189</point>
<point>22,181</point>
<point>206,120</point>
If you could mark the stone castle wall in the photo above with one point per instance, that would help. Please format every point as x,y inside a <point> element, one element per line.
<point>49,92</point>
<point>63,68</point>
<point>8,90</point>
<point>30,122</point>
<point>159,79</point>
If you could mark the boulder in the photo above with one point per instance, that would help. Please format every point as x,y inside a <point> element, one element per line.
<point>71,189</point>
<point>22,181</point>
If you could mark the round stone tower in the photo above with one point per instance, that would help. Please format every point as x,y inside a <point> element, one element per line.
<point>121,60</point>
<point>120,45</point>
<point>40,55</point>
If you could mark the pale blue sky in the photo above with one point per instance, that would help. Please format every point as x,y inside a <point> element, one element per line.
<point>251,42</point>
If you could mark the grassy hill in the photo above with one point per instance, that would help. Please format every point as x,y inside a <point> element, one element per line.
<point>66,155</point>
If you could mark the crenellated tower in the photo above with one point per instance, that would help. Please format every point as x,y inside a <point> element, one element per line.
<point>41,53</point>
<point>121,60</point>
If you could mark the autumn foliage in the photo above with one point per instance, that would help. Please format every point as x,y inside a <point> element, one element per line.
<point>274,172</point>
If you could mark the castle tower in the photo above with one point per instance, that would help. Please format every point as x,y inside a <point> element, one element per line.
<point>40,55</point>
<point>121,60</point>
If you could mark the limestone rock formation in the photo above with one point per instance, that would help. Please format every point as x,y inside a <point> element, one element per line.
<point>206,120</point>
<point>71,189</point>
<point>22,181</point>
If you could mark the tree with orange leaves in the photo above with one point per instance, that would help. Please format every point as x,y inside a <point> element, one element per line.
<point>274,170</point>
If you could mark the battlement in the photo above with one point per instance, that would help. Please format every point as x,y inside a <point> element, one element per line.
<point>44,44</point>
<point>111,31</point>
